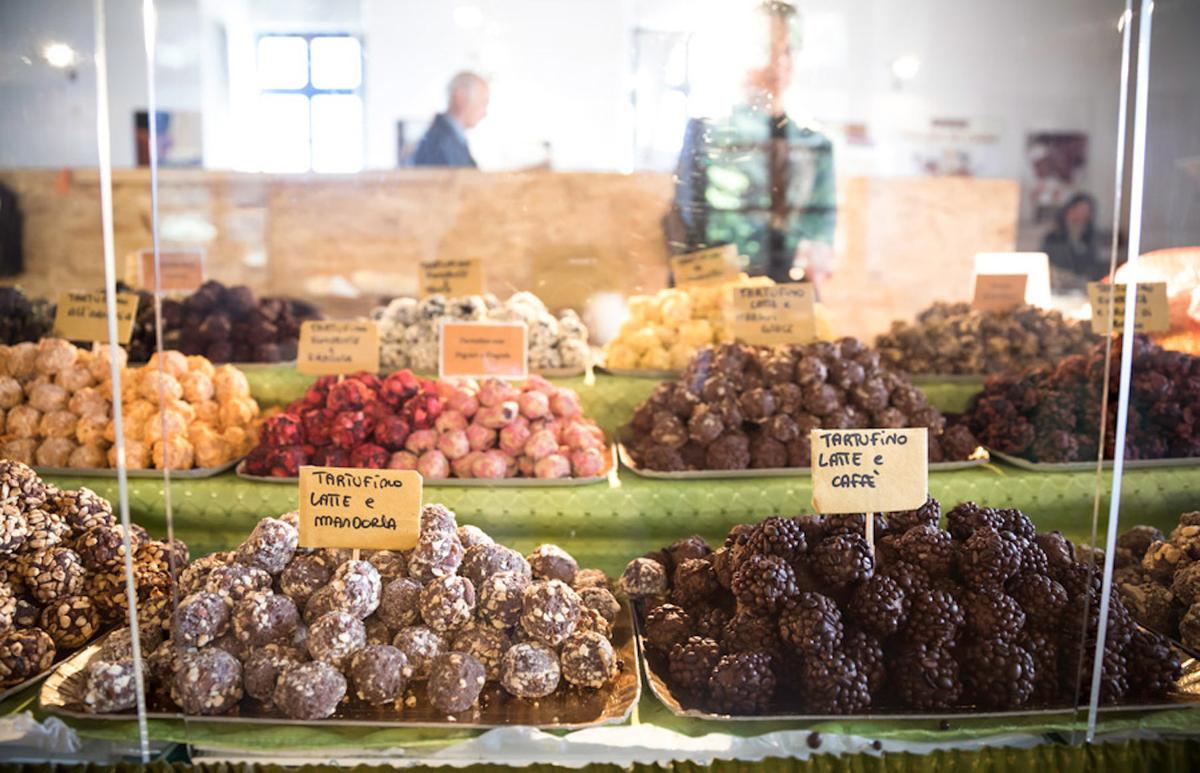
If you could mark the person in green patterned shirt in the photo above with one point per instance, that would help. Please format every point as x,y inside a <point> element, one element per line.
<point>758,179</point>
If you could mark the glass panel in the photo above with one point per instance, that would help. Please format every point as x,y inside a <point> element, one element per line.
<point>283,133</point>
<point>282,62</point>
<point>337,133</point>
<point>336,63</point>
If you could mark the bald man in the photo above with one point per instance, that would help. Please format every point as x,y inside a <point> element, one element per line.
<point>445,142</point>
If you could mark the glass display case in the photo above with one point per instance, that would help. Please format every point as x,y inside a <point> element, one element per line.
<point>631,293</point>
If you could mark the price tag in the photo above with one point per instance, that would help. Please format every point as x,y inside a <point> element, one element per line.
<point>1150,315</point>
<point>452,278</point>
<point>179,270</point>
<point>715,264</point>
<point>999,292</point>
<point>483,350</point>
<point>354,508</point>
<point>869,470</point>
<point>772,315</point>
<point>83,316</point>
<point>337,347</point>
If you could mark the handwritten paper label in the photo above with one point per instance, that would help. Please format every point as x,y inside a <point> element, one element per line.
<point>869,470</point>
<point>179,270</point>
<point>1150,314</point>
<point>772,315</point>
<point>83,316</point>
<point>483,350</point>
<point>452,278</point>
<point>715,264</point>
<point>337,347</point>
<point>354,508</point>
<point>999,292</point>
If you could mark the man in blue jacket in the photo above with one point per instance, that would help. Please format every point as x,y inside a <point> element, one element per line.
<point>445,141</point>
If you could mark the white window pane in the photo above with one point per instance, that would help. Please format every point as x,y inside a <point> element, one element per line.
<point>282,62</point>
<point>282,133</point>
<point>337,127</point>
<point>336,63</point>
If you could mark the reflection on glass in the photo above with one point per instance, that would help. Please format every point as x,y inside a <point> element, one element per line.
<point>336,63</point>
<point>282,125</point>
<point>282,62</point>
<point>336,133</point>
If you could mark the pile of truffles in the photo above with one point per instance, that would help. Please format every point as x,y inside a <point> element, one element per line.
<point>56,409</point>
<point>62,572</point>
<point>739,407</point>
<point>408,330</point>
<point>23,319</point>
<point>1159,578</point>
<point>953,338</point>
<point>301,631</point>
<point>1051,413</point>
<point>224,324</point>
<point>443,429</point>
<point>796,614</point>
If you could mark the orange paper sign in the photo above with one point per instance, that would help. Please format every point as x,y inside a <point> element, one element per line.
<point>999,292</point>
<point>83,316</point>
<point>335,347</point>
<point>483,350</point>
<point>452,278</point>
<point>179,270</point>
<point>715,264</point>
<point>355,508</point>
<point>869,470</point>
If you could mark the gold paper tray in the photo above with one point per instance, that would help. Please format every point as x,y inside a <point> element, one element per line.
<point>470,482</point>
<point>11,690</point>
<point>111,472</point>
<point>569,708</point>
<point>773,472</point>
<point>1130,464</point>
<point>1186,693</point>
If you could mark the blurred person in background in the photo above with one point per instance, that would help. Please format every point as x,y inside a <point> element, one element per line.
<point>757,178</point>
<point>1071,245</point>
<point>445,142</point>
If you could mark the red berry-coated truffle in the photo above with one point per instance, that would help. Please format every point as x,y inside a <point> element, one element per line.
<point>331,456</point>
<point>349,395</point>
<point>286,462</point>
<point>391,432</point>
<point>282,430</point>
<point>399,387</point>
<point>318,424</point>
<point>350,429</point>
<point>370,455</point>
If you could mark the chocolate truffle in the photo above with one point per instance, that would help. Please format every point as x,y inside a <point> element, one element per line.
<point>455,681</point>
<point>482,561</point>
<point>399,603</point>
<point>24,654</point>
<point>501,598</point>
<point>591,578</point>
<point>261,671</point>
<point>207,681</point>
<point>588,659</point>
<point>199,619</point>
<point>437,554</point>
<point>264,617</point>
<point>389,563</point>
<point>420,645</point>
<point>550,562</point>
<point>447,603</point>
<point>71,621</point>
<point>270,546</point>
<point>53,572</point>
<point>100,546</point>
<point>530,670</point>
<point>110,687</point>
<point>379,673</point>
<point>550,611</point>
<point>644,577</point>
<point>356,588</point>
<point>233,582</point>
<point>310,690</point>
<point>304,576</point>
<point>602,600</point>
<point>335,637</point>
<point>484,643</point>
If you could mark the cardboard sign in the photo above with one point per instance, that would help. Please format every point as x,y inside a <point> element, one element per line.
<point>715,264</point>
<point>869,470</point>
<point>179,270</point>
<point>452,278</point>
<point>999,292</point>
<point>355,508</point>
<point>1150,314</point>
<point>483,350</point>
<point>337,347</point>
<point>83,316</point>
<point>772,315</point>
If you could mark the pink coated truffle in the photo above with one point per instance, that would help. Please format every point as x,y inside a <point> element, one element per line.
<point>421,440</point>
<point>541,444</point>
<point>480,437</point>
<point>495,392</point>
<point>552,466</point>
<point>587,463</point>
<point>565,403</point>
<point>534,405</point>
<point>525,466</point>
<point>463,402</point>
<point>538,383</point>
<point>464,466</point>
<point>450,421</point>
<point>454,444</point>
<point>403,460</point>
<point>433,465</point>
<point>583,434</point>
<point>497,416</point>
<point>514,436</point>
<point>490,464</point>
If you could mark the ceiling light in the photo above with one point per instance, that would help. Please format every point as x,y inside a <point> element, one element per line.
<point>59,55</point>
<point>906,67</point>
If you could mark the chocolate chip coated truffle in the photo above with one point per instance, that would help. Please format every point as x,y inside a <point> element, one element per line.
<point>310,690</point>
<point>455,681</point>
<point>550,611</point>
<point>530,670</point>
<point>550,562</point>
<point>588,660</point>
<point>379,674</point>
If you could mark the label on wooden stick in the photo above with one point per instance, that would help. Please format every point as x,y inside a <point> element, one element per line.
<point>1151,314</point>
<point>772,315</point>
<point>715,264</point>
<point>337,347</point>
<point>483,350</point>
<point>354,508</point>
<point>869,470</point>
<point>451,277</point>
<point>179,270</point>
<point>999,292</point>
<point>83,316</point>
